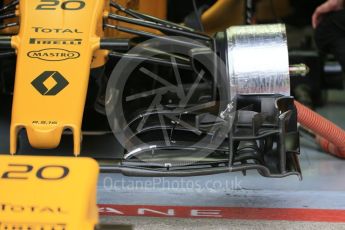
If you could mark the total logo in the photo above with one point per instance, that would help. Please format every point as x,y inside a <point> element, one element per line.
<point>56,30</point>
<point>54,54</point>
<point>14,208</point>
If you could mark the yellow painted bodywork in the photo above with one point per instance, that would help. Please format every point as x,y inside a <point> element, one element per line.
<point>156,8</point>
<point>48,193</point>
<point>75,33</point>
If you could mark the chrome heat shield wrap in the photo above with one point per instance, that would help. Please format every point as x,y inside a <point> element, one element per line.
<point>257,60</point>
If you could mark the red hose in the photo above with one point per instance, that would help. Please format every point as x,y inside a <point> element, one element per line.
<point>329,136</point>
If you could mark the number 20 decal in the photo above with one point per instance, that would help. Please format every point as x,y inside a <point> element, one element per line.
<point>64,4</point>
<point>23,171</point>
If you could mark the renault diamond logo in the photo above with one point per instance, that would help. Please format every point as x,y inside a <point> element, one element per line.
<point>50,83</point>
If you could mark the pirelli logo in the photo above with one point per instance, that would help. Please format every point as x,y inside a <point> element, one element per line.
<point>31,226</point>
<point>55,41</point>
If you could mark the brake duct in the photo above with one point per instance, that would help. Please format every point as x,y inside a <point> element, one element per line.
<point>257,61</point>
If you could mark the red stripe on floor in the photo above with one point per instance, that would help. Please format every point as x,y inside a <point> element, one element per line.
<point>289,214</point>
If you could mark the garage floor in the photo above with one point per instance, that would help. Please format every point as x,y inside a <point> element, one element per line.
<point>146,223</point>
<point>317,202</point>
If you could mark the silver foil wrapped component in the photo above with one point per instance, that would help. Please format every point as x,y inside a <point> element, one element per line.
<point>258,61</point>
